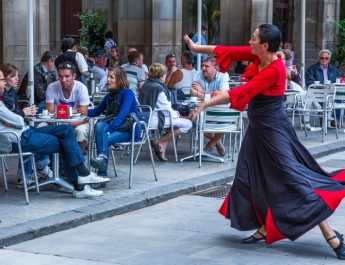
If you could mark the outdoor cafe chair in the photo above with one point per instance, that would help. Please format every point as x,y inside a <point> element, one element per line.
<point>169,127</point>
<point>316,94</point>
<point>144,139</point>
<point>220,119</point>
<point>22,156</point>
<point>339,102</point>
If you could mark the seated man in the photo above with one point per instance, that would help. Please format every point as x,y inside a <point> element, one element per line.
<point>99,70</point>
<point>322,71</point>
<point>73,93</point>
<point>209,80</point>
<point>170,63</point>
<point>47,141</point>
<point>135,73</point>
<point>44,74</point>
<point>182,78</point>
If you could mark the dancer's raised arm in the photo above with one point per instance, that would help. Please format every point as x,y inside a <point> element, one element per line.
<point>196,47</point>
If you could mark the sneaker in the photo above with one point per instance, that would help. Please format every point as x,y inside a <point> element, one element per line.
<point>87,192</point>
<point>99,163</point>
<point>92,178</point>
<point>29,180</point>
<point>44,173</point>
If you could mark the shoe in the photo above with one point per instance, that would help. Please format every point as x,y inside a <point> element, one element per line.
<point>87,192</point>
<point>157,149</point>
<point>340,249</point>
<point>44,173</point>
<point>252,239</point>
<point>92,178</point>
<point>208,148</point>
<point>307,126</point>
<point>29,180</point>
<point>220,149</point>
<point>99,163</point>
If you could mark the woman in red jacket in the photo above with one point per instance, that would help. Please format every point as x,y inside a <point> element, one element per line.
<point>279,189</point>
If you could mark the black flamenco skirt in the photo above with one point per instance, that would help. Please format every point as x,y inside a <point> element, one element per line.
<point>277,182</point>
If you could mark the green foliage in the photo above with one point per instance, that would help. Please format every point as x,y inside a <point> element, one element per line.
<point>93,26</point>
<point>338,57</point>
<point>210,18</point>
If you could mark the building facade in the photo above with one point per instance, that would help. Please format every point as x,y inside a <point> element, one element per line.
<point>156,27</point>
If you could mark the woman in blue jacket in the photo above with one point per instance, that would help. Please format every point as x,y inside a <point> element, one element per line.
<point>121,102</point>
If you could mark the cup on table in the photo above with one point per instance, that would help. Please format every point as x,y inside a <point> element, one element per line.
<point>207,96</point>
<point>337,80</point>
<point>193,99</point>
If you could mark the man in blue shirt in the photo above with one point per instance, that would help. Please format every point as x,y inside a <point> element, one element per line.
<point>202,42</point>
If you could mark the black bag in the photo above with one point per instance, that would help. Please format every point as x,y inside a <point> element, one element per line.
<point>182,109</point>
<point>127,124</point>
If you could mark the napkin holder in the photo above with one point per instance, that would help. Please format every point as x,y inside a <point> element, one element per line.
<point>62,112</point>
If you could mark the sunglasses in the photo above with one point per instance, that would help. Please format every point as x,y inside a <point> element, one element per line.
<point>66,66</point>
<point>324,58</point>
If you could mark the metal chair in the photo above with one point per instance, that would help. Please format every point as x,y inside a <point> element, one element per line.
<point>220,119</point>
<point>339,102</point>
<point>169,127</point>
<point>19,154</point>
<point>144,138</point>
<point>322,95</point>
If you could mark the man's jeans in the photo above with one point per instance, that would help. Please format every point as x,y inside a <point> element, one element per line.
<point>48,140</point>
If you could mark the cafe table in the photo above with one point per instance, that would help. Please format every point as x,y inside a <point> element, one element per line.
<point>56,178</point>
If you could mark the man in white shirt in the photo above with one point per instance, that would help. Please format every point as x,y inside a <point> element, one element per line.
<point>68,91</point>
<point>208,80</point>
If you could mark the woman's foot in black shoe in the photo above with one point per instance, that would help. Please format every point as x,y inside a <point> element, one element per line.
<point>255,238</point>
<point>337,244</point>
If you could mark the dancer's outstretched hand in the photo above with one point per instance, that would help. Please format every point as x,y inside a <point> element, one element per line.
<point>189,42</point>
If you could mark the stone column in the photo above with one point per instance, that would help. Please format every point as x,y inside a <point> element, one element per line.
<point>262,12</point>
<point>235,22</point>
<point>14,15</point>
<point>152,26</point>
<point>320,29</point>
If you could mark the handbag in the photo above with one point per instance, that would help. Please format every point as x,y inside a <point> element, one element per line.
<point>126,125</point>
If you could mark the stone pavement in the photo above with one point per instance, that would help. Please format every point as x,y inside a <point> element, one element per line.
<point>183,231</point>
<point>55,210</point>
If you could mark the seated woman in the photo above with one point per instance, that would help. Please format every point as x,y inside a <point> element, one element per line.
<point>155,94</point>
<point>120,101</point>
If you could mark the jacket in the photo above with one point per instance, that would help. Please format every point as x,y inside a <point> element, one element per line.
<point>315,73</point>
<point>42,78</point>
<point>9,121</point>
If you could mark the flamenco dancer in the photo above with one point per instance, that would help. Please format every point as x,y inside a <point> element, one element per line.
<point>279,189</point>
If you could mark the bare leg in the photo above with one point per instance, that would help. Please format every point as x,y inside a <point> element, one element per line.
<point>328,232</point>
<point>262,230</point>
<point>163,141</point>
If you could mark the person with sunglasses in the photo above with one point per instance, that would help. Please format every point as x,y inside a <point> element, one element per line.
<point>322,70</point>
<point>68,91</point>
<point>48,140</point>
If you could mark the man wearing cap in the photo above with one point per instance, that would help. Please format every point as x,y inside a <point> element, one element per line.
<point>99,70</point>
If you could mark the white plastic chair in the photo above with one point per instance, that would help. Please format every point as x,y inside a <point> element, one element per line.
<point>339,102</point>
<point>220,119</point>
<point>316,94</point>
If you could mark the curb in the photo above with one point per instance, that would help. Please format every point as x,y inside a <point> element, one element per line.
<point>44,226</point>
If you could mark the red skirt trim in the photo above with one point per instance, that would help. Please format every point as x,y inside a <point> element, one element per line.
<point>272,232</point>
<point>340,176</point>
<point>223,210</point>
